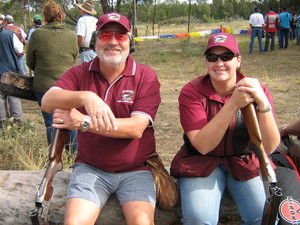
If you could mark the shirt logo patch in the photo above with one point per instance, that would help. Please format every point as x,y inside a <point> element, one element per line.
<point>220,38</point>
<point>127,96</point>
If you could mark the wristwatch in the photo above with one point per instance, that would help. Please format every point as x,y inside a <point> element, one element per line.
<point>85,124</point>
<point>267,109</point>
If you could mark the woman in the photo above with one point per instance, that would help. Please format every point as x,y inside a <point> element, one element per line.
<point>51,51</point>
<point>215,156</point>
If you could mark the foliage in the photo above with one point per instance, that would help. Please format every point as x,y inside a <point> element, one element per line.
<point>220,10</point>
<point>24,147</point>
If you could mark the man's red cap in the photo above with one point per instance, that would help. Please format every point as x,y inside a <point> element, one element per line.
<point>225,40</point>
<point>113,17</point>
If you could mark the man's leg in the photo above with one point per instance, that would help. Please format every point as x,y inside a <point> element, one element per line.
<point>267,42</point>
<point>259,36</point>
<point>252,37</point>
<point>272,34</point>
<point>137,195</point>
<point>81,212</point>
<point>139,212</point>
<point>286,36</point>
<point>15,107</point>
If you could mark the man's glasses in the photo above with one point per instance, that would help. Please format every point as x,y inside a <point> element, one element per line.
<point>107,36</point>
<point>224,57</point>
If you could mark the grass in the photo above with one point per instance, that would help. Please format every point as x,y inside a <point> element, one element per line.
<point>176,62</point>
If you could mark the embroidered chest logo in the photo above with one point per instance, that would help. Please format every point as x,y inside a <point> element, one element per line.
<point>289,210</point>
<point>127,96</point>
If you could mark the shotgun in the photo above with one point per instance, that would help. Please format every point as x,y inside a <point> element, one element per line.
<point>270,215</point>
<point>39,214</point>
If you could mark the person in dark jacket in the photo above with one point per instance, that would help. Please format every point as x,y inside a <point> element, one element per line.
<point>51,51</point>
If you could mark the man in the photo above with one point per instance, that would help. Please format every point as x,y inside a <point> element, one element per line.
<point>284,28</point>
<point>256,22</point>
<point>9,47</point>
<point>37,20</point>
<point>271,20</point>
<point>1,19</point>
<point>9,21</point>
<point>86,25</point>
<point>113,101</point>
<point>298,29</point>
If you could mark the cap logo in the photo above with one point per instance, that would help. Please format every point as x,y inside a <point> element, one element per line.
<point>113,16</point>
<point>220,38</point>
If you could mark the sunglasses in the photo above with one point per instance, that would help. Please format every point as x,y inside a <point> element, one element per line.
<point>107,36</point>
<point>224,57</point>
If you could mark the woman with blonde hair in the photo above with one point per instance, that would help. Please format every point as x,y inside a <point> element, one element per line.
<point>51,51</point>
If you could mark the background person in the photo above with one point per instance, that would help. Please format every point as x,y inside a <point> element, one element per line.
<point>113,100</point>
<point>284,28</point>
<point>51,51</point>
<point>256,23</point>
<point>215,156</point>
<point>85,27</point>
<point>10,46</point>
<point>271,20</point>
<point>9,25</point>
<point>37,20</point>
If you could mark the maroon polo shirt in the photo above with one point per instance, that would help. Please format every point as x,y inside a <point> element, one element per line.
<point>136,91</point>
<point>198,104</point>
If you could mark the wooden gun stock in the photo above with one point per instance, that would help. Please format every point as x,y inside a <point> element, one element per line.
<point>268,174</point>
<point>251,122</point>
<point>44,192</point>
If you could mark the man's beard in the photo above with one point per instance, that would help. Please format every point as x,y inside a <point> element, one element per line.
<point>115,60</point>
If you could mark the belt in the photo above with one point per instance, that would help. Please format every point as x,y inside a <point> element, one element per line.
<point>82,49</point>
<point>256,27</point>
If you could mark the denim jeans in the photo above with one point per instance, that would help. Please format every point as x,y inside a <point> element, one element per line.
<point>21,65</point>
<point>270,35</point>
<point>14,107</point>
<point>256,32</point>
<point>201,197</point>
<point>298,35</point>
<point>72,142</point>
<point>86,56</point>
<point>284,37</point>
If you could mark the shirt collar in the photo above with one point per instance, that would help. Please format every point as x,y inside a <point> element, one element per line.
<point>130,68</point>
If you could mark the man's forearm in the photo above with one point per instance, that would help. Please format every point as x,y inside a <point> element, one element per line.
<point>63,99</point>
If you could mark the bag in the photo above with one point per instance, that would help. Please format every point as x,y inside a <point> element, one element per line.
<point>166,190</point>
<point>17,85</point>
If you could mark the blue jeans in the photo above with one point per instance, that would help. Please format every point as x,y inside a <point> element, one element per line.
<point>284,37</point>
<point>201,197</point>
<point>72,142</point>
<point>21,65</point>
<point>14,107</point>
<point>86,56</point>
<point>270,35</point>
<point>256,32</point>
<point>298,35</point>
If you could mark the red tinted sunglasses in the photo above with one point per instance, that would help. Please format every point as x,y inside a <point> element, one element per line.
<point>107,36</point>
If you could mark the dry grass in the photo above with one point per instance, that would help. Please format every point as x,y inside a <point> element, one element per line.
<point>176,62</point>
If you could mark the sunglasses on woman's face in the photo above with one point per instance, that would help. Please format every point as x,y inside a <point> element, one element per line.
<point>107,36</point>
<point>224,57</point>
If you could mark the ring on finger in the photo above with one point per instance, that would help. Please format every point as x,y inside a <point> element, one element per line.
<point>61,121</point>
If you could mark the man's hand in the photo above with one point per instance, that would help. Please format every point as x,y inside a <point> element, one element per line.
<point>100,113</point>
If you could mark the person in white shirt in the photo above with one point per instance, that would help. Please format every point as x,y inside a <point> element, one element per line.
<point>256,22</point>
<point>85,27</point>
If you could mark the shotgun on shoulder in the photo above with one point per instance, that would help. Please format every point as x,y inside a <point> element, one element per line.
<point>267,172</point>
<point>38,215</point>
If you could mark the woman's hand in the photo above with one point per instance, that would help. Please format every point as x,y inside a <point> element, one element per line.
<point>253,87</point>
